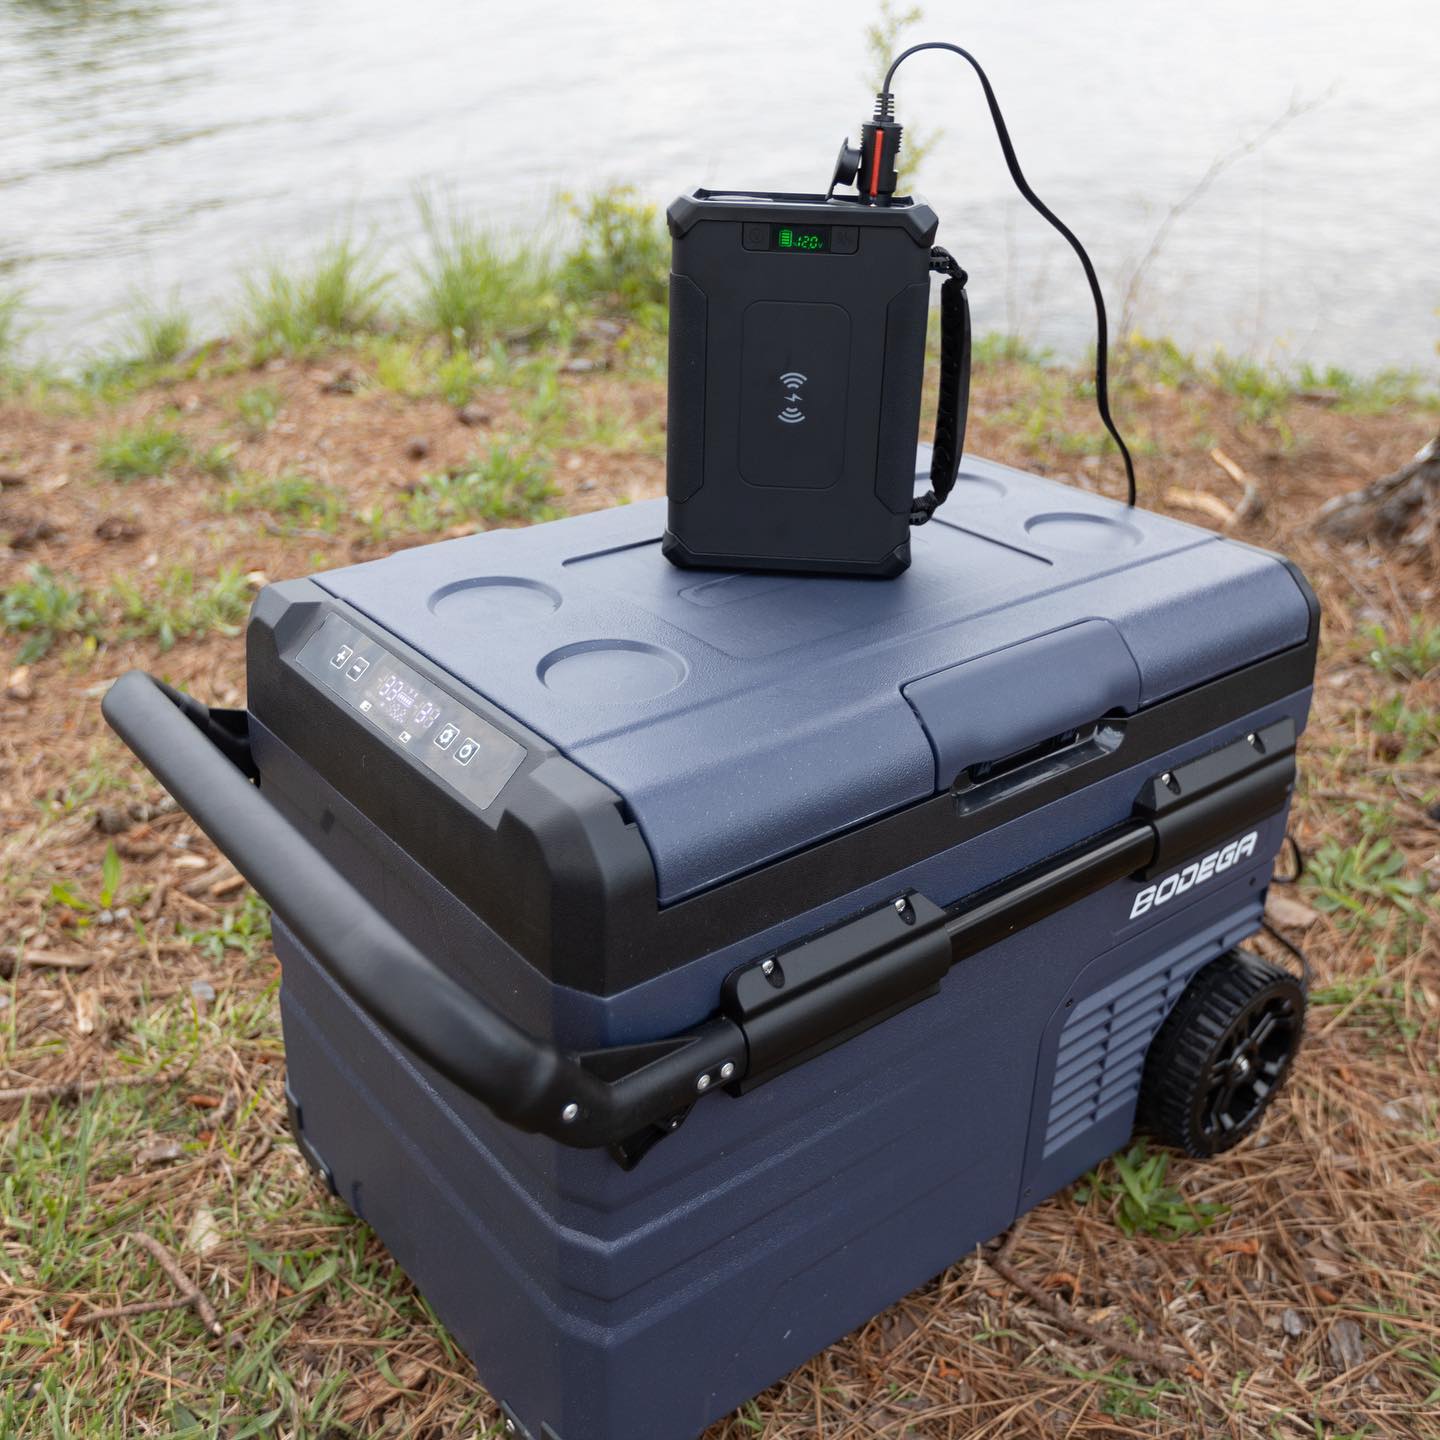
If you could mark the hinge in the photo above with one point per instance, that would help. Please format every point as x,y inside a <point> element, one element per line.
<point>1209,798</point>
<point>798,1003</point>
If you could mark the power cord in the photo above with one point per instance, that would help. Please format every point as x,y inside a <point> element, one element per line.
<point>877,170</point>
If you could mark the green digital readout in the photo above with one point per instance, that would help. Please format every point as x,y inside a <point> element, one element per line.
<point>802,239</point>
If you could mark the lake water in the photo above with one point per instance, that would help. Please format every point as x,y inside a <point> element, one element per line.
<point>158,146</point>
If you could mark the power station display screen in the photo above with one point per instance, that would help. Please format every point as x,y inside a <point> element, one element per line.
<point>801,239</point>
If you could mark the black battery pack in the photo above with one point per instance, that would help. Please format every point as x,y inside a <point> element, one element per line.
<point>797,355</point>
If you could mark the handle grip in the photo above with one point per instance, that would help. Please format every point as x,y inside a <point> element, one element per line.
<point>202,757</point>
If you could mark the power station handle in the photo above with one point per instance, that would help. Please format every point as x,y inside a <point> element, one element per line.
<point>952,407</point>
<point>202,759</point>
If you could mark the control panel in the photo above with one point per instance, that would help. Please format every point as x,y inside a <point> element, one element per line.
<point>454,743</point>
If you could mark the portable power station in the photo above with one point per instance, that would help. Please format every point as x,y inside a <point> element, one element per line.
<point>648,935</point>
<point>797,360</point>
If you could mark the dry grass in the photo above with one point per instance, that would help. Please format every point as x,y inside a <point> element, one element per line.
<point>1309,1308</point>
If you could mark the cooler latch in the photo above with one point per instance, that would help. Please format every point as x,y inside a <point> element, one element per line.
<point>1210,798</point>
<point>798,1003</point>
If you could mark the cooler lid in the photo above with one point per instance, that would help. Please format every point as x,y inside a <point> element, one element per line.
<point>744,716</point>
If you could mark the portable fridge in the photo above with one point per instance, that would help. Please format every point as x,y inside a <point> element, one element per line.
<point>680,967</point>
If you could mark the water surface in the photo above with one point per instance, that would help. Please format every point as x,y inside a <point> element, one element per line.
<point>158,146</point>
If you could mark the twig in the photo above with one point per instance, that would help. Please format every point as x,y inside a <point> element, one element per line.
<point>1201,500</point>
<point>119,1312</point>
<point>1064,1316</point>
<point>182,1282</point>
<point>1250,502</point>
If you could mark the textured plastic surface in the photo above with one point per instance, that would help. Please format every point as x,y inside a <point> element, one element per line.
<point>743,717</point>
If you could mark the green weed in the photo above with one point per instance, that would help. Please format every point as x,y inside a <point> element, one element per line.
<point>1133,1186</point>
<point>622,260</point>
<point>216,461</point>
<point>339,294</point>
<point>1356,882</point>
<point>12,331</point>
<point>182,606</point>
<point>142,450</point>
<point>505,484</point>
<point>474,290</point>
<point>1367,395</point>
<point>245,929</point>
<point>1147,360</point>
<point>997,348</point>
<point>1416,731</point>
<point>1264,392</point>
<point>257,409</point>
<point>456,377</point>
<point>1412,657</point>
<point>158,334</point>
<point>45,608</point>
<point>399,365</point>
<point>296,496</point>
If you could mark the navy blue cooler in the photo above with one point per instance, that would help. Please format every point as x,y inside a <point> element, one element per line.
<point>681,967</point>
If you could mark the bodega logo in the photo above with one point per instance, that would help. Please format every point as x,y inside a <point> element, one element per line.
<point>1197,872</point>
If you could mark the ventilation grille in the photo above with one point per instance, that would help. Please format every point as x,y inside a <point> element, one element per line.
<point>1102,1047</point>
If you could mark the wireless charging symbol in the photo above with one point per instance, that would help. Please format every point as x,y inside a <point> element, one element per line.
<point>792,414</point>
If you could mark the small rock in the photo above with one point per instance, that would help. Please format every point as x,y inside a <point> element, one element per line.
<point>472,415</point>
<point>1433,813</point>
<point>11,479</point>
<point>1291,1323</point>
<point>581,365</point>
<point>417,447</point>
<point>158,1152</point>
<point>1347,1345</point>
<point>118,527</point>
<point>203,991</point>
<point>607,329</point>
<point>18,686</point>
<point>204,1234</point>
<point>1290,913</point>
<point>586,485</point>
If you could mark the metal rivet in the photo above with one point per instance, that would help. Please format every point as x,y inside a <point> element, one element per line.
<point>509,1426</point>
<point>901,903</point>
<point>1250,739</point>
<point>571,1113</point>
<point>727,1069</point>
<point>702,1083</point>
<point>767,967</point>
<point>1167,778</point>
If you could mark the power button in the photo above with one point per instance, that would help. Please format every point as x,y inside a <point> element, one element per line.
<point>754,235</point>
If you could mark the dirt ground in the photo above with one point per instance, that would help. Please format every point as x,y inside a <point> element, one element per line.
<point>1290,1288</point>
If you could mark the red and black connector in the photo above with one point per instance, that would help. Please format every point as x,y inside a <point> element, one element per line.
<point>872,168</point>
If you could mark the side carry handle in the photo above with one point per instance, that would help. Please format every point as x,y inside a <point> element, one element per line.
<point>202,757</point>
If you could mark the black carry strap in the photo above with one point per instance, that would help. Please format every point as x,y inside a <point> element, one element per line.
<point>953,408</point>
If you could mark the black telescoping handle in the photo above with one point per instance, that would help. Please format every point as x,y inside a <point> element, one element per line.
<point>202,759</point>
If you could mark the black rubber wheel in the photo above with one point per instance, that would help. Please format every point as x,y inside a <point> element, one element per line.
<point>1222,1054</point>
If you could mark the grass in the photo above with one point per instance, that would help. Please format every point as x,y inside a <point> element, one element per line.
<point>159,334</point>
<point>339,294</point>
<point>1264,392</point>
<point>1134,1189</point>
<point>182,606</point>
<point>140,451</point>
<point>12,304</point>
<point>1370,394</point>
<point>257,409</point>
<point>296,497</point>
<point>622,261</point>
<point>45,608</point>
<point>1359,882</point>
<point>1412,656</point>
<point>1416,731</point>
<point>475,289</point>
<point>507,483</point>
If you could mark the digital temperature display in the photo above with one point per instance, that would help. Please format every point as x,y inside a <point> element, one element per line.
<point>802,239</point>
<point>402,702</point>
